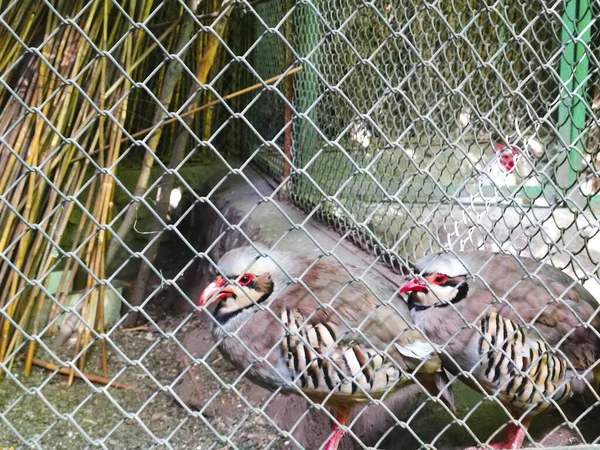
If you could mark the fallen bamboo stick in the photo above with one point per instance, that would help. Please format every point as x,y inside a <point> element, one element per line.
<point>93,378</point>
<point>138,328</point>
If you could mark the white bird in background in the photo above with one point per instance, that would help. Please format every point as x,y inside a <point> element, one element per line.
<point>512,164</point>
<point>361,134</point>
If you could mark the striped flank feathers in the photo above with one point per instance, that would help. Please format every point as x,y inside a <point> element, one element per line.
<point>520,367</point>
<point>320,362</point>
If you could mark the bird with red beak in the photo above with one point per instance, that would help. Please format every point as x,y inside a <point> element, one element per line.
<point>233,298</point>
<point>213,289</point>
<point>521,330</point>
<point>295,324</point>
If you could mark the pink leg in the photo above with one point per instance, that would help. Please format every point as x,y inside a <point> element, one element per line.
<point>334,441</point>
<point>342,417</point>
<point>513,437</point>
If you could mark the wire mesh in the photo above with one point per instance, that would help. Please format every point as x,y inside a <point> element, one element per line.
<point>408,126</point>
<point>448,83</point>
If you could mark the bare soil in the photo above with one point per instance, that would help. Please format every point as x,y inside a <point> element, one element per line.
<point>43,411</point>
<point>183,406</point>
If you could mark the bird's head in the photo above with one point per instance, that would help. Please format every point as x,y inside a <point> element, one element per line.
<point>250,280</point>
<point>242,292</point>
<point>506,156</point>
<point>442,280</point>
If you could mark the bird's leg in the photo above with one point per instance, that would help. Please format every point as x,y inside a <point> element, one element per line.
<point>513,437</point>
<point>515,434</point>
<point>342,416</point>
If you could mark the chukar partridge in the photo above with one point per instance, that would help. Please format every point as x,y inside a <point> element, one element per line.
<point>522,330</point>
<point>340,350</point>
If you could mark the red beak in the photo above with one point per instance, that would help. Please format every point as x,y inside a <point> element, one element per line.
<point>216,287</point>
<point>414,285</point>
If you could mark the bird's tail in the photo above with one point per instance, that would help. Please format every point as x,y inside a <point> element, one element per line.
<point>438,385</point>
<point>431,374</point>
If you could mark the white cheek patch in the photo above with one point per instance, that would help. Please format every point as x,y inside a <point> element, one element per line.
<point>441,294</point>
<point>246,298</point>
<point>424,298</point>
<point>229,305</point>
<point>429,298</point>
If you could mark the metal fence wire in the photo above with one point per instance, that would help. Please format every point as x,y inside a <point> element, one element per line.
<point>410,127</point>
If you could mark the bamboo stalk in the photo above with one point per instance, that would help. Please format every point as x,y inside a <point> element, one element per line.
<point>18,143</point>
<point>63,119</point>
<point>9,53</point>
<point>23,245</point>
<point>172,74</point>
<point>31,139</point>
<point>143,56</point>
<point>105,198</point>
<point>95,248</point>
<point>37,296</point>
<point>289,95</point>
<point>204,66</point>
<point>71,371</point>
<point>40,258</point>
<point>59,229</point>
<point>64,284</point>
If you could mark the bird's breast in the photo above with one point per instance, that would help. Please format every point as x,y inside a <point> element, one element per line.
<point>252,344</point>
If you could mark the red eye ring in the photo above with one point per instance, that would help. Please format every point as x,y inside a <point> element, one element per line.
<point>439,279</point>
<point>246,279</point>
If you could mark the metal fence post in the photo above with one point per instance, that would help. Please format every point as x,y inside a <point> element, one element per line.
<point>289,95</point>
<point>574,69</point>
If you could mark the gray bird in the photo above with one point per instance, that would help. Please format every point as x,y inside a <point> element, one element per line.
<point>342,350</point>
<point>519,329</point>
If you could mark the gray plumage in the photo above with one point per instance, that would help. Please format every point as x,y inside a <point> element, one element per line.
<point>525,330</point>
<point>347,342</point>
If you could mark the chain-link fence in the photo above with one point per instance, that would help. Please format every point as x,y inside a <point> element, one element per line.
<point>129,136</point>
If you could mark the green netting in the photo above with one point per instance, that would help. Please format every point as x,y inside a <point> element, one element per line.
<point>403,103</point>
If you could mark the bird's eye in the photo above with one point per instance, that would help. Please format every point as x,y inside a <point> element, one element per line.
<point>440,279</point>
<point>246,279</point>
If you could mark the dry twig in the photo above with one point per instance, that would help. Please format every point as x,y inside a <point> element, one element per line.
<point>96,379</point>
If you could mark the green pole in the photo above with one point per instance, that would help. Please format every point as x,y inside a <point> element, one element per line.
<point>574,68</point>
<point>584,15</point>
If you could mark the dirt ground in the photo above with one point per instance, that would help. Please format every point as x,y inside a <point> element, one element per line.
<point>51,415</point>
<point>181,406</point>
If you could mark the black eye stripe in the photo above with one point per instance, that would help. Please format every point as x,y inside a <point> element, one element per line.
<point>451,281</point>
<point>454,281</point>
<point>463,290</point>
